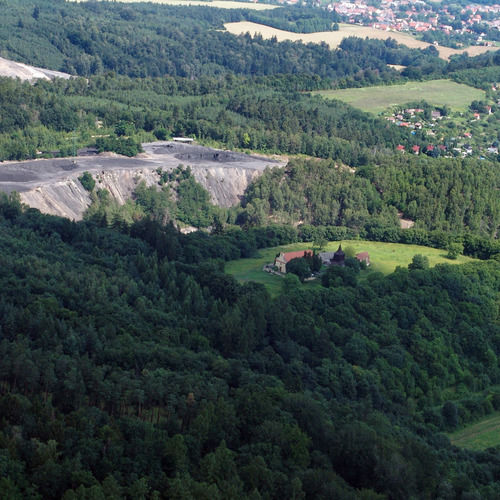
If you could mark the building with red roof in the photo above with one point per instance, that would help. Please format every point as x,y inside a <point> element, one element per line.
<point>363,257</point>
<point>284,258</point>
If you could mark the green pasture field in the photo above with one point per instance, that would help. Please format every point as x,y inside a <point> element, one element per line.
<point>377,99</point>
<point>479,436</point>
<point>384,257</point>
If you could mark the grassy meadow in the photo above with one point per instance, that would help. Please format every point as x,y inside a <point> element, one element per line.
<point>384,257</point>
<point>333,38</point>
<point>483,434</point>
<point>438,92</point>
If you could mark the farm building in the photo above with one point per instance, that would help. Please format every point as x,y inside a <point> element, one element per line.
<point>326,257</point>
<point>333,258</point>
<point>338,258</point>
<point>363,257</point>
<point>283,258</point>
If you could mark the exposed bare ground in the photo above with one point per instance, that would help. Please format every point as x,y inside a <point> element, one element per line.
<point>334,38</point>
<point>14,69</point>
<point>405,223</point>
<point>397,67</point>
<point>52,185</point>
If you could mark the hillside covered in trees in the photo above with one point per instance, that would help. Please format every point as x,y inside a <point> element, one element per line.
<point>445,194</point>
<point>148,39</point>
<point>142,373</point>
<point>133,367</point>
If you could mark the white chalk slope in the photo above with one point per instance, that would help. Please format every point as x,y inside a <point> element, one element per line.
<point>14,69</point>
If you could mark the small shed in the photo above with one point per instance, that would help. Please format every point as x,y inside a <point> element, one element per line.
<point>182,139</point>
<point>363,257</point>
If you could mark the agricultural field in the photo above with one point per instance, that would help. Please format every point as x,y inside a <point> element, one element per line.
<point>384,257</point>
<point>479,436</point>
<point>438,92</point>
<point>333,38</point>
<point>220,4</point>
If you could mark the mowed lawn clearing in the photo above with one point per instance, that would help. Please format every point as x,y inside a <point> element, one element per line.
<point>479,436</point>
<point>384,257</point>
<point>438,92</point>
<point>334,38</point>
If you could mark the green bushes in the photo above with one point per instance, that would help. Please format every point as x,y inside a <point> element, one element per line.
<point>87,181</point>
<point>126,146</point>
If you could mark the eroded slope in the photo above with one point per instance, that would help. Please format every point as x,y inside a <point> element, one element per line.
<point>53,187</point>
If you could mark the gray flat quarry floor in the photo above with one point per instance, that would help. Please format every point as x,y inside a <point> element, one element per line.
<point>26,175</point>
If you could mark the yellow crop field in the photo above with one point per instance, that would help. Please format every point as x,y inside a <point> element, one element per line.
<point>221,4</point>
<point>333,38</point>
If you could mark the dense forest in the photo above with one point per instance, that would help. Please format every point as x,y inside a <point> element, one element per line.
<point>236,112</point>
<point>139,371</point>
<point>133,367</point>
<point>154,40</point>
<point>445,194</point>
<point>147,39</point>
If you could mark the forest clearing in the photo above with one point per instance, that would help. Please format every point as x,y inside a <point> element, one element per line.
<point>384,257</point>
<point>334,38</point>
<point>479,436</point>
<point>437,92</point>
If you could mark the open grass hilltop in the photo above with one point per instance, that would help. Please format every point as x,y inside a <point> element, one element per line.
<point>479,436</point>
<point>334,38</point>
<point>384,257</point>
<point>438,92</point>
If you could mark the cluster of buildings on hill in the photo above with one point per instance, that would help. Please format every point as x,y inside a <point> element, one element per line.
<point>327,258</point>
<point>418,16</point>
<point>436,139</point>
